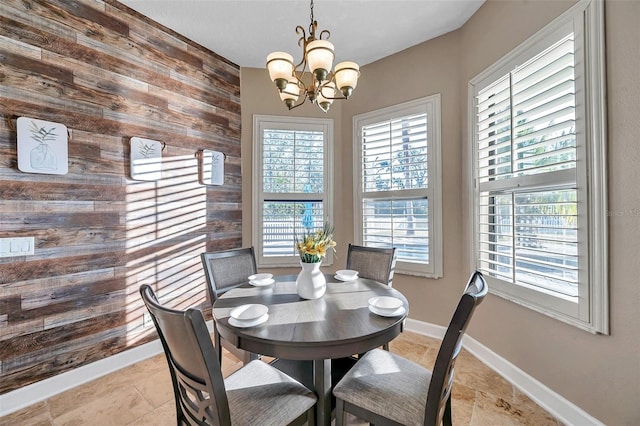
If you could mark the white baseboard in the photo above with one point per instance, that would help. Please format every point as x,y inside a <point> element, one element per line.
<point>564,410</point>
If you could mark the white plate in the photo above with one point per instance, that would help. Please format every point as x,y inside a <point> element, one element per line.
<point>397,312</point>
<point>244,324</point>
<point>385,303</point>
<point>260,278</point>
<point>347,273</point>
<point>262,283</point>
<point>248,312</point>
<point>341,278</point>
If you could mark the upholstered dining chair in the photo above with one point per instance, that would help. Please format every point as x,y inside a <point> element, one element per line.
<point>386,389</point>
<point>223,271</point>
<point>372,262</point>
<point>256,394</point>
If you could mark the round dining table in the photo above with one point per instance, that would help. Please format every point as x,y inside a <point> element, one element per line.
<point>307,337</point>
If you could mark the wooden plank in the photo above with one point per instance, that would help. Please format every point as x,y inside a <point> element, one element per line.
<point>78,15</point>
<point>87,92</point>
<point>57,362</point>
<point>17,190</point>
<point>22,49</point>
<point>32,67</point>
<point>9,331</point>
<point>47,283</point>
<point>75,316</point>
<point>24,271</point>
<point>224,242</point>
<point>9,206</point>
<point>64,300</point>
<point>164,49</point>
<point>18,18</point>
<point>48,94</point>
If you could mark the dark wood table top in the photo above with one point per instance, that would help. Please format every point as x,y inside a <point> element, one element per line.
<point>338,324</point>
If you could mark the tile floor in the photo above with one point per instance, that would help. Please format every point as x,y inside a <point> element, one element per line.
<point>141,394</point>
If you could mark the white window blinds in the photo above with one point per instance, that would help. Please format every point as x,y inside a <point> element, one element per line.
<point>292,193</point>
<point>398,188</point>
<point>394,154</point>
<point>538,126</point>
<point>528,225</point>
<point>394,158</point>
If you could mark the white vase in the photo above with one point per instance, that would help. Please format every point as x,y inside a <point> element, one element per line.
<point>311,283</point>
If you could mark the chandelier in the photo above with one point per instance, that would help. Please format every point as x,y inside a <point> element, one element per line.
<point>317,83</point>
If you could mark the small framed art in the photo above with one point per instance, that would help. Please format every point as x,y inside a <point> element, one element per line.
<point>42,146</point>
<point>146,159</point>
<point>211,167</point>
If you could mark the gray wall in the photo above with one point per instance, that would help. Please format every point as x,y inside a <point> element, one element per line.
<point>600,374</point>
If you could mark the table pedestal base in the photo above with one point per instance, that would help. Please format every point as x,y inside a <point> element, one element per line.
<point>319,376</point>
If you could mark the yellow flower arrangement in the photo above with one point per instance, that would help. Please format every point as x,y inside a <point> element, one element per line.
<point>314,245</point>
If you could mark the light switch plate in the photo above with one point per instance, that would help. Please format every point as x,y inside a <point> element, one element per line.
<point>23,246</point>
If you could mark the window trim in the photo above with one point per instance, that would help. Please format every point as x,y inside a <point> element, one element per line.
<point>588,15</point>
<point>259,122</point>
<point>432,105</point>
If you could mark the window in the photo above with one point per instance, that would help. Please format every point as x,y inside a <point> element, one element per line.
<point>538,150</point>
<point>292,189</point>
<point>398,188</point>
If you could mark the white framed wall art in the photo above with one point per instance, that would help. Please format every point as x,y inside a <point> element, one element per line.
<point>146,159</point>
<point>42,146</point>
<point>211,167</point>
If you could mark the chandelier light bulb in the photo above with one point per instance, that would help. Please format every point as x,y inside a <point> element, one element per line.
<point>320,58</point>
<point>289,95</point>
<point>346,74</point>
<point>326,95</point>
<point>280,66</point>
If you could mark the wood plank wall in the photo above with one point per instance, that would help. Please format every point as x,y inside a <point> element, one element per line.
<point>108,74</point>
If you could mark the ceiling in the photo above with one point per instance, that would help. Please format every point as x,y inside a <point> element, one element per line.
<point>363,31</point>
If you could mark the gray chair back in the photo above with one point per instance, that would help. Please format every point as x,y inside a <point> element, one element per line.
<point>386,389</point>
<point>227,269</point>
<point>198,384</point>
<point>372,262</point>
<point>438,409</point>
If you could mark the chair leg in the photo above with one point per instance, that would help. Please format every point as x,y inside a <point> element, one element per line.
<point>218,344</point>
<point>247,357</point>
<point>340,413</point>
<point>446,418</point>
<point>311,416</point>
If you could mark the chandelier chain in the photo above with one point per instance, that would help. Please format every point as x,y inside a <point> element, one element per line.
<point>311,17</point>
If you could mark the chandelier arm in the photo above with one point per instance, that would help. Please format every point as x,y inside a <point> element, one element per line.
<point>330,79</point>
<point>341,98</point>
<point>303,64</point>
<point>304,99</point>
<point>324,32</point>
<point>300,72</point>
<point>303,36</point>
